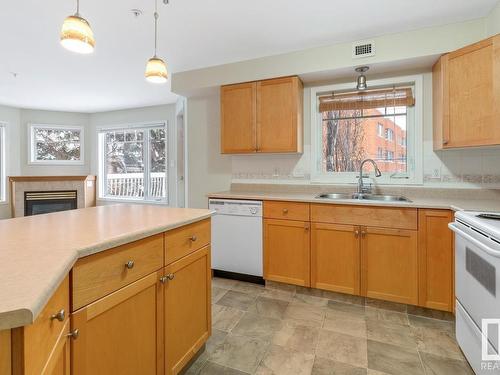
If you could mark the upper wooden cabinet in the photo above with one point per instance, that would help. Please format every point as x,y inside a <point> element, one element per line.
<point>263,116</point>
<point>466,96</point>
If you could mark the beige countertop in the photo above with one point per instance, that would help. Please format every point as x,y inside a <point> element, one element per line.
<point>37,252</point>
<point>456,204</point>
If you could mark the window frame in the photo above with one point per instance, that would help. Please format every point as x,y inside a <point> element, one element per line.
<point>414,135</point>
<point>102,176</point>
<point>3,163</point>
<point>32,151</point>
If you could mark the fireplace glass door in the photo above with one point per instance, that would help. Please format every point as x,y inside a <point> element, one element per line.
<point>43,202</point>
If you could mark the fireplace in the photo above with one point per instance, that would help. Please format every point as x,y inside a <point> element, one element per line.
<point>43,202</point>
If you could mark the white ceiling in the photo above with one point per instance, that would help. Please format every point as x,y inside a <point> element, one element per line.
<point>193,34</point>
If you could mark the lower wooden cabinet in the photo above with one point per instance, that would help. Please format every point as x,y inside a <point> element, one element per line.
<point>335,257</point>
<point>389,264</point>
<point>436,264</point>
<point>59,361</point>
<point>187,296</point>
<point>122,332</point>
<point>287,251</point>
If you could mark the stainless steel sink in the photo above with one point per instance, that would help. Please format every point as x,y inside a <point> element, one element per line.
<point>368,197</point>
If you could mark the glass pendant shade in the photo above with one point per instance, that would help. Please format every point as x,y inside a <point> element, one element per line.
<point>156,70</point>
<point>76,35</point>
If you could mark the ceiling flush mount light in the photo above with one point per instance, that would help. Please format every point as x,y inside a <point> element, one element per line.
<point>76,34</point>
<point>361,81</point>
<point>156,69</point>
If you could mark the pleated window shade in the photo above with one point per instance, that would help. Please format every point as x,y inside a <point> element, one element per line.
<point>380,98</point>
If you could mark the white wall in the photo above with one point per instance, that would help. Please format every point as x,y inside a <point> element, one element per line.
<point>493,21</point>
<point>163,113</point>
<point>447,169</point>
<point>207,170</point>
<point>29,116</point>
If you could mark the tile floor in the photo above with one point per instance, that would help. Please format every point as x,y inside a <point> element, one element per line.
<point>285,330</point>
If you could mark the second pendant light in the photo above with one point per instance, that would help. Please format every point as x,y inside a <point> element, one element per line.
<point>156,69</point>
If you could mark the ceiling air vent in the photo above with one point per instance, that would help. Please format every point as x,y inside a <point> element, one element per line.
<point>365,48</point>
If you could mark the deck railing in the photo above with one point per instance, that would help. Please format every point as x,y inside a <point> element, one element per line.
<point>132,185</point>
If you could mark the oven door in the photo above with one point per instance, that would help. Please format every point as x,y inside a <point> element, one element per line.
<point>477,277</point>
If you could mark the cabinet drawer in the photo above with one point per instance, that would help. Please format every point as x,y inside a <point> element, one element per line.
<point>383,217</point>
<point>98,275</point>
<point>33,344</point>
<point>286,210</point>
<point>183,241</point>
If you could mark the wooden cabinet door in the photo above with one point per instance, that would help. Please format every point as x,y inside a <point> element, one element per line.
<point>238,118</point>
<point>187,308</point>
<point>435,249</point>
<point>279,115</point>
<point>472,99</point>
<point>286,251</point>
<point>121,333</point>
<point>59,360</point>
<point>335,258</point>
<point>389,264</point>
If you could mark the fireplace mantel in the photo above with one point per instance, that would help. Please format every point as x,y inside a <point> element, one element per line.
<point>84,185</point>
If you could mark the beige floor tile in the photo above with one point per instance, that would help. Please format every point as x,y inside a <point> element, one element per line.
<point>224,318</point>
<point>390,333</point>
<point>211,368</point>
<point>386,316</point>
<point>323,366</point>
<point>223,283</point>
<point>336,310</point>
<point>342,348</point>
<point>269,307</point>
<point>282,295</point>
<point>437,342</point>
<point>442,325</point>
<point>240,353</point>
<point>392,359</point>
<point>298,337</point>
<point>435,365</point>
<point>386,305</point>
<point>217,293</point>
<point>344,298</point>
<point>256,326</point>
<point>305,314</point>
<point>249,288</point>
<point>310,300</point>
<point>354,327</point>
<point>285,361</point>
<point>429,313</point>
<point>238,300</point>
<point>280,286</point>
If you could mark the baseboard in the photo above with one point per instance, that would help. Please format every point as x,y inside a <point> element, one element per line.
<point>239,276</point>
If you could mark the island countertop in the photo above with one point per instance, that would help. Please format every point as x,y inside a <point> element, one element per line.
<point>37,252</point>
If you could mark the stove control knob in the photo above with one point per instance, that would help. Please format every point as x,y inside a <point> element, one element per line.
<point>253,210</point>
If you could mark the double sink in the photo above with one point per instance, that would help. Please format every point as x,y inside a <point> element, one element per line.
<point>364,196</point>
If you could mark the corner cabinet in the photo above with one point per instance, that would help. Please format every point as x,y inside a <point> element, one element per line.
<point>262,117</point>
<point>466,96</point>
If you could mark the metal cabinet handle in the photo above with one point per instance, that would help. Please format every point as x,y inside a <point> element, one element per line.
<point>356,233</point>
<point>166,278</point>
<point>285,210</point>
<point>193,238</point>
<point>363,233</point>
<point>60,315</point>
<point>74,334</point>
<point>130,264</point>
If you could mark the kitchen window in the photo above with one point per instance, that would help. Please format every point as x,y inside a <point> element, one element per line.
<point>56,144</point>
<point>133,163</point>
<point>383,123</point>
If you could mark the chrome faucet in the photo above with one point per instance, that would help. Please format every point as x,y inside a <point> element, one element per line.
<point>361,188</point>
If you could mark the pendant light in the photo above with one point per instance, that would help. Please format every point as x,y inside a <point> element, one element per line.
<point>76,34</point>
<point>156,69</point>
<point>361,81</point>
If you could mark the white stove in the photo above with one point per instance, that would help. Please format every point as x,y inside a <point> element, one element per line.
<point>477,288</point>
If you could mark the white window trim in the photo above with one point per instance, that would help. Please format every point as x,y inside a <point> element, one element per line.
<point>32,146</point>
<point>102,182</point>
<point>3,163</point>
<point>415,133</point>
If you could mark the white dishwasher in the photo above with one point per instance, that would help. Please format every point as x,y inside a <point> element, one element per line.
<point>237,239</point>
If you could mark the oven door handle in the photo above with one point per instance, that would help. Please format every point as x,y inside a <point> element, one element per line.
<point>455,228</point>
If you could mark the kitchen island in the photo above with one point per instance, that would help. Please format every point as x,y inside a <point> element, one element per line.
<point>128,285</point>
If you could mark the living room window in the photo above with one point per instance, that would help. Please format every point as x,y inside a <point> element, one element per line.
<point>56,144</point>
<point>383,123</point>
<point>133,163</point>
